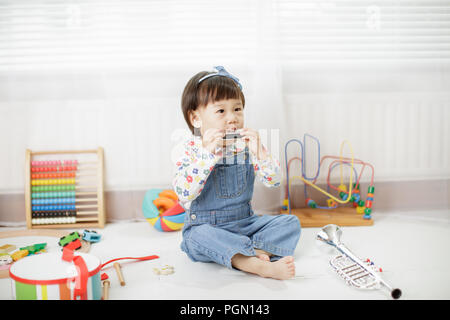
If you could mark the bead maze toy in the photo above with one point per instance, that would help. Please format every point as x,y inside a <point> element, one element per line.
<point>64,189</point>
<point>316,215</point>
<point>162,210</point>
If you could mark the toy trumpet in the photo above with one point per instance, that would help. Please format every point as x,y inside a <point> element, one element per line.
<point>352,269</point>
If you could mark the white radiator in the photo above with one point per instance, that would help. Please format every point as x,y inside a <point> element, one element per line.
<point>404,139</point>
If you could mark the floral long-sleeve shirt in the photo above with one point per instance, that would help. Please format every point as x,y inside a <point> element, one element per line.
<point>196,163</point>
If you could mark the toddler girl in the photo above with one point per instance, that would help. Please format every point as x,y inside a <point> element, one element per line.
<point>214,182</point>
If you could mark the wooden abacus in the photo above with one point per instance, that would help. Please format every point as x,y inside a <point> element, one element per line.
<point>64,193</point>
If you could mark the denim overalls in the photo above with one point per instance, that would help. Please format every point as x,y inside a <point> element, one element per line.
<point>220,221</point>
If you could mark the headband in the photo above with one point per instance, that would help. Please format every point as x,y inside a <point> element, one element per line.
<point>223,73</point>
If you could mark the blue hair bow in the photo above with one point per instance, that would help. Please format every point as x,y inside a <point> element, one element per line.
<point>222,72</point>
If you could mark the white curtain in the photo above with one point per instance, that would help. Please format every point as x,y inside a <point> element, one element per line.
<point>79,74</point>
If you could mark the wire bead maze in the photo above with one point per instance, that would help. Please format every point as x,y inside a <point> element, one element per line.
<point>345,193</point>
<point>64,189</point>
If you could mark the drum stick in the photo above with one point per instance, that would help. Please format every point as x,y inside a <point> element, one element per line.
<point>119,273</point>
<point>106,285</point>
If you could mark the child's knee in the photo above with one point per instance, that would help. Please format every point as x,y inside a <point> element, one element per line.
<point>292,223</point>
<point>291,219</point>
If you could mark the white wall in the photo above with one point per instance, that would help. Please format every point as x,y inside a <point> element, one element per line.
<point>81,75</point>
<point>396,119</point>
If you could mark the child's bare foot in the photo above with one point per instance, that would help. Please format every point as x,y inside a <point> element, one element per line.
<point>264,256</point>
<point>282,269</point>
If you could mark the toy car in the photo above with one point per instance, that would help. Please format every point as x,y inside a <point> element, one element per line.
<point>91,236</point>
<point>74,245</point>
<point>64,241</point>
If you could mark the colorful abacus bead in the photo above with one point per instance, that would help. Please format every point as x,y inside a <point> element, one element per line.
<point>55,220</point>
<point>52,188</point>
<point>70,162</point>
<point>40,182</point>
<point>46,163</point>
<point>53,207</point>
<point>45,195</point>
<point>52,201</point>
<point>54,169</point>
<point>53,175</point>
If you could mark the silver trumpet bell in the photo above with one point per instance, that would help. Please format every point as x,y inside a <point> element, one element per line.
<point>352,269</point>
<point>330,234</point>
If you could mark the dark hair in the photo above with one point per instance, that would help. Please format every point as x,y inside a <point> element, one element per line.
<point>209,90</point>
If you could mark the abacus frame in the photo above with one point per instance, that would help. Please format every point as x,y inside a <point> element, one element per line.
<point>89,222</point>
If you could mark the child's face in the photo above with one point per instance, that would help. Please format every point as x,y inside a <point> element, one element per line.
<point>227,115</point>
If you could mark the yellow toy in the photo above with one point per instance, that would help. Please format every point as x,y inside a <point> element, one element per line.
<point>19,254</point>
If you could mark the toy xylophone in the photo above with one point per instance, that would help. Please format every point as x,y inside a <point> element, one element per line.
<point>67,192</point>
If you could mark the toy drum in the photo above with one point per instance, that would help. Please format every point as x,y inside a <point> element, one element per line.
<point>47,276</point>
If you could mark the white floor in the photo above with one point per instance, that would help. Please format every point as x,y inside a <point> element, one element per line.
<point>412,249</point>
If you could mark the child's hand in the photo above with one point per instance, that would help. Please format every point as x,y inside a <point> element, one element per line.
<point>254,143</point>
<point>212,139</point>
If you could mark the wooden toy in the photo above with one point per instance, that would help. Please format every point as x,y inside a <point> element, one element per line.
<point>19,254</point>
<point>65,240</point>
<point>7,248</point>
<point>106,285</point>
<point>316,215</point>
<point>64,189</point>
<point>74,245</point>
<point>119,273</point>
<point>48,277</point>
<point>162,210</point>
<point>35,248</point>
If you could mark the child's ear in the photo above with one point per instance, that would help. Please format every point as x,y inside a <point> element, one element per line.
<point>195,119</point>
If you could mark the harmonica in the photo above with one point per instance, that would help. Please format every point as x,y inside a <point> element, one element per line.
<point>232,136</point>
